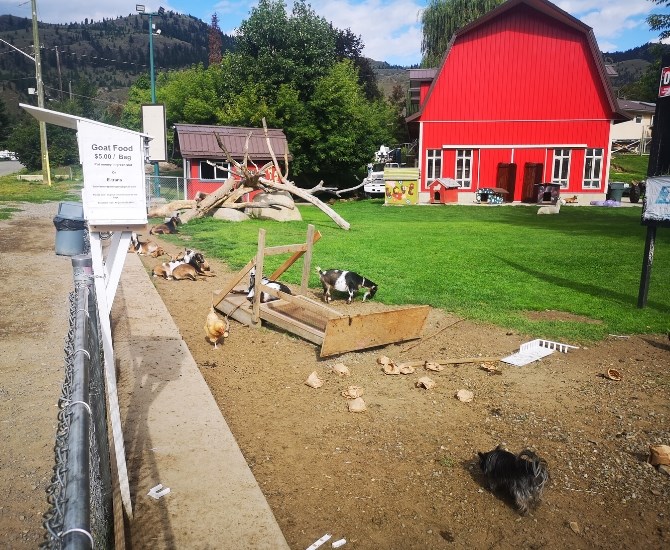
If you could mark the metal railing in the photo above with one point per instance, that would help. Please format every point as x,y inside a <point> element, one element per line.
<point>80,493</point>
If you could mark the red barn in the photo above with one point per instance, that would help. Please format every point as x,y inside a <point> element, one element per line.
<point>521,98</point>
<point>206,166</point>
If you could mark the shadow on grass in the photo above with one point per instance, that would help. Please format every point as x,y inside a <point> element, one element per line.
<point>584,288</point>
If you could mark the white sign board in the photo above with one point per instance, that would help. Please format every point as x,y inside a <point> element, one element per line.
<point>153,124</point>
<point>657,200</point>
<point>113,164</point>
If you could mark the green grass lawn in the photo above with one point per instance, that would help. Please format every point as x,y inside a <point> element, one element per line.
<point>629,168</point>
<point>13,190</point>
<point>486,263</point>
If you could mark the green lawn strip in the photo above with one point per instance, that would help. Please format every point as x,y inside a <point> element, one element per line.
<point>493,264</point>
<point>13,190</point>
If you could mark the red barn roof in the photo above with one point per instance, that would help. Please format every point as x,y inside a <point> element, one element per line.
<point>505,20</point>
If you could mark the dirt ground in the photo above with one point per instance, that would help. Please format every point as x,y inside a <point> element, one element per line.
<point>404,473</point>
<point>401,475</point>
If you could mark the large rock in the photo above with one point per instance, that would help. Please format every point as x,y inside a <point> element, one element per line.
<point>230,214</point>
<point>283,211</point>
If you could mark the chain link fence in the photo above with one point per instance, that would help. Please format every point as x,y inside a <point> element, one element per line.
<point>80,513</point>
<point>165,188</point>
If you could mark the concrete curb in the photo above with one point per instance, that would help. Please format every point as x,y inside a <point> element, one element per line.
<point>175,435</point>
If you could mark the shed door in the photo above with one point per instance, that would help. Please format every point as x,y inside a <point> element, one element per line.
<point>532,174</point>
<point>506,179</point>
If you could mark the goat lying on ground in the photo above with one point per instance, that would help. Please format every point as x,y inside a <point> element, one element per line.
<point>554,209</point>
<point>187,265</point>
<point>345,281</point>
<point>265,297</point>
<point>167,227</point>
<point>147,248</point>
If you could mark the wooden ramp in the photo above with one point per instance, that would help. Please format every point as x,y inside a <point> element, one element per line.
<point>314,321</point>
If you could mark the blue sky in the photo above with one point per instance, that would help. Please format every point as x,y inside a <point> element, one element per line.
<point>390,29</point>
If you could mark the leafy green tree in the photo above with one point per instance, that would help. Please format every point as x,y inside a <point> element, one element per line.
<point>660,21</point>
<point>442,18</point>
<point>349,126</point>
<point>25,142</point>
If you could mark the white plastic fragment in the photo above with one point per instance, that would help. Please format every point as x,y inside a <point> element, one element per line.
<point>534,350</point>
<point>158,491</point>
<point>339,543</point>
<point>316,544</point>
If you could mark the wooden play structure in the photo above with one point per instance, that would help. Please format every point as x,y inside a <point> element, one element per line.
<point>334,331</point>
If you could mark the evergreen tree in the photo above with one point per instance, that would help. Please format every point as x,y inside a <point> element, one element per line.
<point>4,124</point>
<point>215,41</point>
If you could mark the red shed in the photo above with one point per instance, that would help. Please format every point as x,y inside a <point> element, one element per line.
<point>205,164</point>
<point>521,98</point>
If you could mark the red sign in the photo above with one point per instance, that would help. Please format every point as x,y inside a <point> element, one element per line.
<point>664,87</point>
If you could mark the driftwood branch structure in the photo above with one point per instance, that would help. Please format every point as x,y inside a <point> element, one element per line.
<point>232,190</point>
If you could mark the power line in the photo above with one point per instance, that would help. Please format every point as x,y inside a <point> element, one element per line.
<point>86,96</point>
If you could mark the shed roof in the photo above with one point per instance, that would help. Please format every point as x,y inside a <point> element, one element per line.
<point>199,141</point>
<point>636,106</point>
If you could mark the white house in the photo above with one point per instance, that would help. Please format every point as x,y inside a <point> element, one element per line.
<point>629,136</point>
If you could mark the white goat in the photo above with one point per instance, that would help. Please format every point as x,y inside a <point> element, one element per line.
<point>553,209</point>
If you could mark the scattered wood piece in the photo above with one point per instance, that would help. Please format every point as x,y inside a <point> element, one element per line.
<point>431,336</point>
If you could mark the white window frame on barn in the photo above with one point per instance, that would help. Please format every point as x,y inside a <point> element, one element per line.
<point>463,169</point>
<point>433,165</point>
<point>593,165</point>
<point>561,172</point>
<point>218,172</point>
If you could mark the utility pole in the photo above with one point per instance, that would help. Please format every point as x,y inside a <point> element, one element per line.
<point>46,172</point>
<point>60,77</point>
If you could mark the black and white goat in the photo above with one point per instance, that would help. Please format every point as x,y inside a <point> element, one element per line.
<point>265,297</point>
<point>345,281</point>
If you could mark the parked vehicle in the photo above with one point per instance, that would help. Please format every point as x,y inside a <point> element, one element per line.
<point>374,182</point>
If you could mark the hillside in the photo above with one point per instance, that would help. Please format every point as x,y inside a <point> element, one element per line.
<point>112,53</point>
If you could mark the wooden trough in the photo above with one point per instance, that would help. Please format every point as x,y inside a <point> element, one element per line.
<point>314,321</point>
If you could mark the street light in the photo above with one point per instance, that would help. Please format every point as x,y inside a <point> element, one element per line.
<point>142,11</point>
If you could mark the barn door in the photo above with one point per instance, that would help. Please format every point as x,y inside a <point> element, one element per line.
<point>532,174</point>
<point>506,179</point>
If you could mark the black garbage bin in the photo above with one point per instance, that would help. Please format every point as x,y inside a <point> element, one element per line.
<point>615,190</point>
<point>70,229</point>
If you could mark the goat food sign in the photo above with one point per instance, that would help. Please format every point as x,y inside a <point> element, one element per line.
<point>113,165</point>
<point>656,201</point>
<point>664,87</point>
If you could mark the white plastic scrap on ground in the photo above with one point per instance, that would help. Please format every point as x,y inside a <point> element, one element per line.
<point>158,491</point>
<point>534,350</point>
<point>319,542</point>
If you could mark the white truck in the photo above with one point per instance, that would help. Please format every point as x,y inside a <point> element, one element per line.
<point>374,182</point>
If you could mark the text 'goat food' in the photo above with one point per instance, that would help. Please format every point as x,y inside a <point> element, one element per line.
<point>345,281</point>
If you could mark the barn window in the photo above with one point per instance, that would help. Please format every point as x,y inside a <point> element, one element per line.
<point>561,167</point>
<point>464,168</point>
<point>433,164</point>
<point>593,163</point>
<point>209,172</point>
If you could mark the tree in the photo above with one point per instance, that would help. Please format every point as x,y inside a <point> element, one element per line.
<point>4,124</point>
<point>660,21</point>
<point>215,41</point>
<point>442,18</point>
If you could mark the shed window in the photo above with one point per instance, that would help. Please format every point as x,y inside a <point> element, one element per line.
<point>464,168</point>
<point>561,167</point>
<point>433,164</point>
<point>593,163</point>
<point>209,172</point>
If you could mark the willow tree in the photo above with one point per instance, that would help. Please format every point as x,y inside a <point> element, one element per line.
<point>442,18</point>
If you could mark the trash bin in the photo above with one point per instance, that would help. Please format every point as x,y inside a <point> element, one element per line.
<point>70,229</point>
<point>615,190</point>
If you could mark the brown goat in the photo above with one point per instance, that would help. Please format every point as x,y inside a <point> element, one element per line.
<point>166,228</point>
